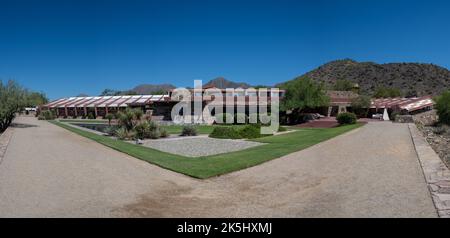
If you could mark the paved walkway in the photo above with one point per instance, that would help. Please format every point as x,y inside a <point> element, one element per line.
<point>370,172</point>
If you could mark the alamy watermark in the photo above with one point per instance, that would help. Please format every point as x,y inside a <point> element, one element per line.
<point>232,105</point>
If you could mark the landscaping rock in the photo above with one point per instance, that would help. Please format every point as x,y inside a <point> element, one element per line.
<point>438,136</point>
<point>199,146</point>
<point>404,119</point>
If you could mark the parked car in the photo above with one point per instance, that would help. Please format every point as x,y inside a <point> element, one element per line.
<point>377,116</point>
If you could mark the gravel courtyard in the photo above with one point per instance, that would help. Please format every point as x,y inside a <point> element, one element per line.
<point>199,145</point>
<point>373,171</point>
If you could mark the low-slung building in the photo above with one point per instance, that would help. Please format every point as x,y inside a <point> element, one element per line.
<point>159,106</point>
<point>102,105</point>
<point>407,105</point>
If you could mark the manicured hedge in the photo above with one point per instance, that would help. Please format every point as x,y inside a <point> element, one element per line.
<point>225,132</point>
<point>250,131</point>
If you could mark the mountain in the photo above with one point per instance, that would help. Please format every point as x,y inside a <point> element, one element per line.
<point>411,78</point>
<point>152,88</point>
<point>223,83</point>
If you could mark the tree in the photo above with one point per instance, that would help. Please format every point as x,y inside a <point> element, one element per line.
<point>443,107</point>
<point>129,118</point>
<point>13,98</point>
<point>343,85</point>
<point>361,105</point>
<point>35,99</point>
<point>303,93</point>
<point>109,117</point>
<point>110,92</point>
<point>159,92</point>
<point>384,92</point>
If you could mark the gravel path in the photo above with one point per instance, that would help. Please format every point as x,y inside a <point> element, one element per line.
<point>370,172</point>
<point>199,146</point>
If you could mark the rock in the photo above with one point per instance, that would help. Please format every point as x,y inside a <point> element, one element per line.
<point>404,119</point>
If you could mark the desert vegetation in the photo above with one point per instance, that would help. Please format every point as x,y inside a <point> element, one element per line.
<point>131,124</point>
<point>346,118</point>
<point>13,99</point>
<point>443,107</point>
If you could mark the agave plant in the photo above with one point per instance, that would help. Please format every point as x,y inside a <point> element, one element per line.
<point>122,133</point>
<point>127,118</point>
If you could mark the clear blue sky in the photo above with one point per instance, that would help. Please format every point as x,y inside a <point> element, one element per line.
<point>64,48</point>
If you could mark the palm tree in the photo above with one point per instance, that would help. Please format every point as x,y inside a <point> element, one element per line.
<point>109,117</point>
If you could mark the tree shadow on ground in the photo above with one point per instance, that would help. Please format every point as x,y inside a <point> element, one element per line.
<point>22,125</point>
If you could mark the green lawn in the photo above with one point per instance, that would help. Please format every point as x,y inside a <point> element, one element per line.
<point>205,167</point>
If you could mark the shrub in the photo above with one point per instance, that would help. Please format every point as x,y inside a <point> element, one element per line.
<point>109,117</point>
<point>121,133</point>
<point>385,92</point>
<point>153,125</point>
<point>346,118</point>
<point>147,129</point>
<point>225,132</point>
<point>282,128</point>
<point>189,130</point>
<point>47,115</point>
<point>91,116</point>
<point>443,107</point>
<point>138,113</point>
<point>394,115</point>
<point>439,130</point>
<point>251,131</point>
<point>163,132</point>
<point>154,134</point>
<point>111,130</point>
<point>142,130</point>
<point>223,118</point>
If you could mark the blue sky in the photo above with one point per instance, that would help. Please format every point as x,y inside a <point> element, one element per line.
<point>64,48</point>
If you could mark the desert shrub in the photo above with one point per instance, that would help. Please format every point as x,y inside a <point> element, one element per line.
<point>163,132</point>
<point>394,115</point>
<point>13,98</point>
<point>443,107</point>
<point>138,113</point>
<point>109,117</point>
<point>282,128</point>
<point>153,125</point>
<point>251,131</point>
<point>154,134</point>
<point>223,118</point>
<point>225,132</point>
<point>121,133</point>
<point>189,130</point>
<point>385,92</point>
<point>147,129</point>
<point>91,116</point>
<point>439,130</point>
<point>346,118</point>
<point>111,130</point>
<point>142,130</point>
<point>47,115</point>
